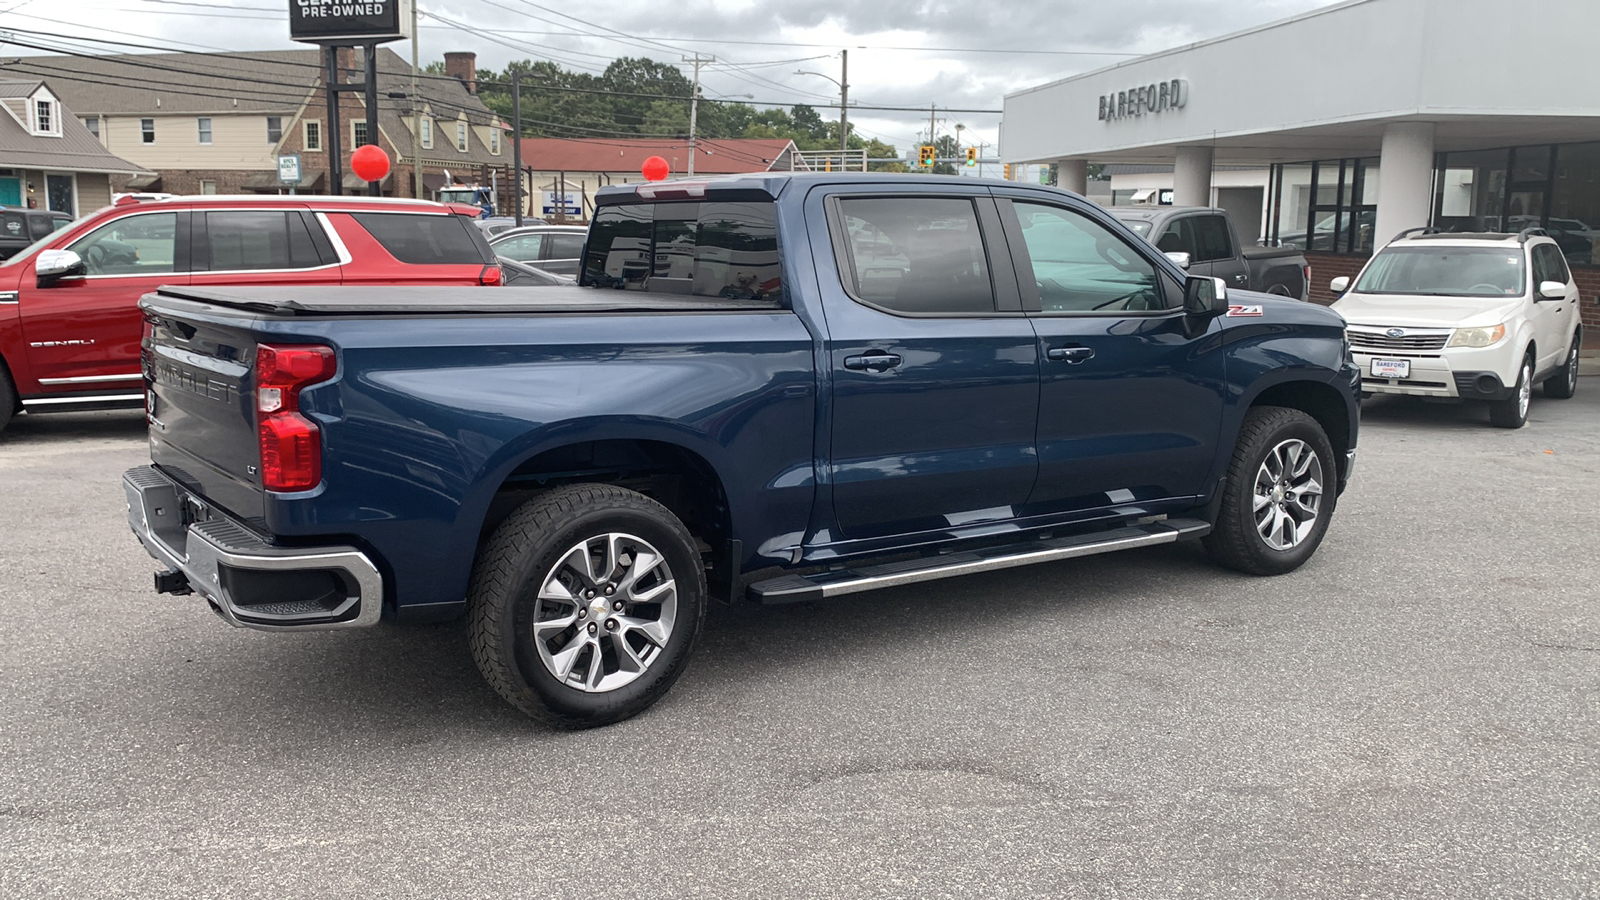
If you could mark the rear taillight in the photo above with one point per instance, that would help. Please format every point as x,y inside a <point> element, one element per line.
<point>491,275</point>
<point>291,444</point>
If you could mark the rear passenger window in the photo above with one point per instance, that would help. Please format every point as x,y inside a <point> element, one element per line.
<point>918,255</point>
<point>14,225</point>
<point>242,240</point>
<point>710,249</point>
<point>1211,233</point>
<point>422,239</point>
<point>42,225</point>
<point>564,246</point>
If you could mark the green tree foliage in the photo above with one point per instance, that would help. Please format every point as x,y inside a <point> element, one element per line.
<point>638,97</point>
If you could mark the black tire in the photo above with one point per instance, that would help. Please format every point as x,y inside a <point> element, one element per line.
<point>1564,383</point>
<point>1512,412</point>
<point>1234,540</point>
<point>502,602</point>
<point>8,396</point>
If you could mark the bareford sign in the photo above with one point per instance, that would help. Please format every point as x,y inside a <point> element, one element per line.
<point>353,21</point>
<point>1162,96</point>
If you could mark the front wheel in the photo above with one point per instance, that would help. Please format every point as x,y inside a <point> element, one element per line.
<point>1278,496</point>
<point>1512,412</point>
<point>585,605</point>
<point>8,397</point>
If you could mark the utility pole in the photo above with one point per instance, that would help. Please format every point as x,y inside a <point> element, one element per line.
<point>516,139</point>
<point>844,104</point>
<point>416,112</point>
<point>694,103</point>
<point>933,139</point>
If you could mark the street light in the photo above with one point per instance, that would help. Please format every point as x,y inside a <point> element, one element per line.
<point>844,99</point>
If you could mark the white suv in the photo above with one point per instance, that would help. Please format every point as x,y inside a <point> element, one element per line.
<point>1469,316</point>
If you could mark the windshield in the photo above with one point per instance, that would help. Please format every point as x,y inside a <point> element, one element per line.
<point>1445,272</point>
<point>1139,228</point>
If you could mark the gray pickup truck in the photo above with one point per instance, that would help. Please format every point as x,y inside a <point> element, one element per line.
<point>1203,240</point>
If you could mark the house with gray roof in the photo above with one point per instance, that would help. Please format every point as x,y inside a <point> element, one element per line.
<point>203,123</point>
<point>48,159</point>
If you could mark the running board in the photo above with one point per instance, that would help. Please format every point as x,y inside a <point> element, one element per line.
<point>838,582</point>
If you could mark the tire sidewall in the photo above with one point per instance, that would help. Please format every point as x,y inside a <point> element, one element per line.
<point>1280,561</point>
<point>522,655</point>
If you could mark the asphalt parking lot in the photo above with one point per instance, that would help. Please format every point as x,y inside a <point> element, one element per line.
<point>1416,713</point>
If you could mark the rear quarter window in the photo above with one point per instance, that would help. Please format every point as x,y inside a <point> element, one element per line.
<point>426,239</point>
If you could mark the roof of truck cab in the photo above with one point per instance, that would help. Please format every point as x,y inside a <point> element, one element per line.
<point>774,183</point>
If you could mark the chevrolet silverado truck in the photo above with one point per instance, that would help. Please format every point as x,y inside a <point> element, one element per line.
<point>1203,241</point>
<point>776,387</point>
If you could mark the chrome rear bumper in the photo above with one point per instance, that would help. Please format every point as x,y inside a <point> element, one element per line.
<point>249,582</point>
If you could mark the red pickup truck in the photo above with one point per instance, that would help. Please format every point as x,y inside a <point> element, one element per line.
<point>70,325</point>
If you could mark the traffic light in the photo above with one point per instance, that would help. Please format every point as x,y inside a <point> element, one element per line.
<point>972,156</point>
<point>925,156</point>
<point>1008,171</point>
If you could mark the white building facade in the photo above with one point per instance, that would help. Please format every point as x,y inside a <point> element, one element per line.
<point>1366,117</point>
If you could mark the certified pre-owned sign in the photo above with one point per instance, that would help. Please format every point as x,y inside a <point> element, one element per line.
<point>1142,100</point>
<point>356,21</point>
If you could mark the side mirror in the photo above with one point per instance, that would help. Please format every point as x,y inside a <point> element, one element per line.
<point>1340,285</point>
<point>1179,257</point>
<point>54,264</point>
<point>1552,290</point>
<point>1205,297</point>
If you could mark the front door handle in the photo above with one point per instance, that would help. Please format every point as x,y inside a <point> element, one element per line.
<point>1239,278</point>
<point>872,362</point>
<point>1073,355</point>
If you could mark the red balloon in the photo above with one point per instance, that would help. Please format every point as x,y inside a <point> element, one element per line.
<point>655,169</point>
<point>369,163</point>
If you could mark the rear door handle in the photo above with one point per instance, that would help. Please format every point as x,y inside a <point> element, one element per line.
<point>1239,278</point>
<point>1073,355</point>
<point>872,362</point>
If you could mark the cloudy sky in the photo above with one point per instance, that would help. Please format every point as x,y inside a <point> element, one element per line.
<point>959,54</point>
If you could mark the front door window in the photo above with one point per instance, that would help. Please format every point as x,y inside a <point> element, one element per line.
<point>135,245</point>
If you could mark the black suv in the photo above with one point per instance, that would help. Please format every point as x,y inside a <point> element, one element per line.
<point>20,227</point>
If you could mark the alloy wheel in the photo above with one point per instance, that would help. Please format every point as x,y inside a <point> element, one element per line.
<point>605,612</point>
<point>1288,494</point>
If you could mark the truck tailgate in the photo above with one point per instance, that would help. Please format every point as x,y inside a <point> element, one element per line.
<point>200,399</point>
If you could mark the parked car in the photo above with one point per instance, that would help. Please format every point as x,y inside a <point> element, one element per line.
<point>1466,317</point>
<point>520,274</point>
<point>1203,240</point>
<point>495,224</point>
<point>20,227</point>
<point>582,469</point>
<point>554,248</point>
<point>69,318</point>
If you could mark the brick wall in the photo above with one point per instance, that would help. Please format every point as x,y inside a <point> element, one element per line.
<point>1588,279</point>
<point>1327,266</point>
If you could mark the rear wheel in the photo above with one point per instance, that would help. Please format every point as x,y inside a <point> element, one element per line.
<point>1563,384</point>
<point>8,396</point>
<point>1512,412</point>
<point>1278,496</point>
<point>585,605</point>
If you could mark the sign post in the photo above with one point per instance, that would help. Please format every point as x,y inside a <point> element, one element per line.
<point>289,170</point>
<point>349,23</point>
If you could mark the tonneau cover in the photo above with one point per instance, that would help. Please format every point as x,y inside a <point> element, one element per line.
<point>333,300</point>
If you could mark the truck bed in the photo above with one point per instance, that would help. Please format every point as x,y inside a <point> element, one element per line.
<point>436,300</point>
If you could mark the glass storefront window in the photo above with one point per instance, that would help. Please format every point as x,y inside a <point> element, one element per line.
<point>1472,189</point>
<point>1327,206</point>
<point>1575,204</point>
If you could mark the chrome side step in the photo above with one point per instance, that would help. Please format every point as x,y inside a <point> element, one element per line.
<point>838,582</point>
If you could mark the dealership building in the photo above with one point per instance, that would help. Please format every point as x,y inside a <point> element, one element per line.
<point>1337,129</point>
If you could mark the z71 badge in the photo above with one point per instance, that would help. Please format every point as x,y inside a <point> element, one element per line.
<point>1244,311</point>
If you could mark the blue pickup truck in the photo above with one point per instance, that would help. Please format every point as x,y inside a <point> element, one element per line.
<point>776,387</point>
